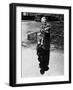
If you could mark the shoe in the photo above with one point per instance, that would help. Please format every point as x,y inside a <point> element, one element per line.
<point>46,68</point>
<point>42,71</point>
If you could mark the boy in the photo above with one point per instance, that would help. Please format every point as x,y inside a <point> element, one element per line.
<point>43,47</point>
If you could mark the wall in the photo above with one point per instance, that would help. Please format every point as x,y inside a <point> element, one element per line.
<point>4,44</point>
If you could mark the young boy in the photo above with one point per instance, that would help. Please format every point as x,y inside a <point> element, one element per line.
<point>43,47</point>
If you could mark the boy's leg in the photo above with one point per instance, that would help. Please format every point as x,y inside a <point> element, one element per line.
<point>46,61</point>
<point>41,65</point>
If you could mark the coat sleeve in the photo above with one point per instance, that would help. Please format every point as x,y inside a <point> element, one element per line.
<point>47,28</point>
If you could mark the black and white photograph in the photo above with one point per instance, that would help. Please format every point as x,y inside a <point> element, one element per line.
<point>42,44</point>
<point>41,53</point>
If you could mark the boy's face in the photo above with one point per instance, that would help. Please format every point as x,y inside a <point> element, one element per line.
<point>43,19</point>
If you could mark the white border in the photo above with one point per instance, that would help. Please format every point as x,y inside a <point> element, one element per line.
<point>20,80</point>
